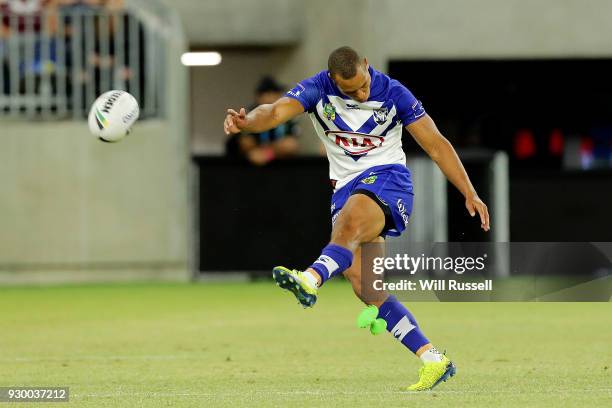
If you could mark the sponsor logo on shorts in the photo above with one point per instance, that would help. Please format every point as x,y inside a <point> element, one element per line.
<point>403,211</point>
<point>335,217</point>
<point>369,180</point>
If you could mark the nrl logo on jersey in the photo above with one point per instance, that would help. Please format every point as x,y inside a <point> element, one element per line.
<point>380,115</point>
<point>329,111</point>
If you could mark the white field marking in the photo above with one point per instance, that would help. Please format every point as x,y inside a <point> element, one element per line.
<point>100,357</point>
<point>305,392</point>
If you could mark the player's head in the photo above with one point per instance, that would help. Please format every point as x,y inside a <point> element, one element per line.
<point>268,90</point>
<point>350,73</point>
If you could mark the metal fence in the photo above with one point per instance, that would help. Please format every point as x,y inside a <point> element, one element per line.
<point>54,63</point>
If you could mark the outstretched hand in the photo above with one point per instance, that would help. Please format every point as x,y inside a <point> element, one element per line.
<point>234,121</point>
<point>475,205</point>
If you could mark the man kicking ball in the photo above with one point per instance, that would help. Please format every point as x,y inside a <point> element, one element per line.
<point>358,113</point>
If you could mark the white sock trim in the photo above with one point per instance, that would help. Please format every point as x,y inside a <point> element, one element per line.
<point>431,356</point>
<point>312,280</point>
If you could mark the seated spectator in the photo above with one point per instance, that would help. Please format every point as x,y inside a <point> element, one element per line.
<point>110,52</point>
<point>22,15</point>
<point>262,148</point>
<point>22,26</point>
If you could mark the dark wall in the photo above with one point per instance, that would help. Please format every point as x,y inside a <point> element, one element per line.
<point>561,206</point>
<point>252,219</point>
<point>461,226</point>
<point>256,218</point>
<point>491,103</point>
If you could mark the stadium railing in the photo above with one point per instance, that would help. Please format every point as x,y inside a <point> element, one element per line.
<point>56,61</point>
<point>51,162</point>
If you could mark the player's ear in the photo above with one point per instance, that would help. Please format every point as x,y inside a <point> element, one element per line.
<point>365,63</point>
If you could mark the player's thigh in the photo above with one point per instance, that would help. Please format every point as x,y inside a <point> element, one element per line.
<point>360,220</point>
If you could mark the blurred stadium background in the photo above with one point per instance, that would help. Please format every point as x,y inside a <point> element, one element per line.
<point>521,88</point>
<point>522,92</point>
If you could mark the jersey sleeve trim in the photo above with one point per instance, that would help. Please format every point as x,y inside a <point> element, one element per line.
<point>409,108</point>
<point>307,92</point>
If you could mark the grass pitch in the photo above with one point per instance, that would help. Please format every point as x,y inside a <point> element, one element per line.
<point>162,345</point>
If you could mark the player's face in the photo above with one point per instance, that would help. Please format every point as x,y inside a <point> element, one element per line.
<point>357,87</point>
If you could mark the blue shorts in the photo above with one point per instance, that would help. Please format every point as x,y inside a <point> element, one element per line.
<point>390,186</point>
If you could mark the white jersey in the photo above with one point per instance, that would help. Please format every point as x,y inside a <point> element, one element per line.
<point>357,135</point>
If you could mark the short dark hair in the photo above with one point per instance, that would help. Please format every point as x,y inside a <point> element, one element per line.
<point>343,62</point>
<point>268,84</point>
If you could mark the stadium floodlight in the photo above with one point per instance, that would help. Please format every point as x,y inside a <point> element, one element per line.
<point>197,59</point>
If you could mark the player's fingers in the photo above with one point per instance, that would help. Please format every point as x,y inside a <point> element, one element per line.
<point>483,219</point>
<point>233,112</point>
<point>470,208</point>
<point>242,112</point>
<point>232,126</point>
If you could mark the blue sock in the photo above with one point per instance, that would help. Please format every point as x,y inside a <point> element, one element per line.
<point>333,260</point>
<point>402,324</point>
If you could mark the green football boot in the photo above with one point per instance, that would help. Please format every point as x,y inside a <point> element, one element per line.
<point>432,374</point>
<point>295,282</point>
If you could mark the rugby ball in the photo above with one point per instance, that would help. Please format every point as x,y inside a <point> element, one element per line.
<point>112,115</point>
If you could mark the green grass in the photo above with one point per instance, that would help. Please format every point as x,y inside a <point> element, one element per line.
<point>251,345</point>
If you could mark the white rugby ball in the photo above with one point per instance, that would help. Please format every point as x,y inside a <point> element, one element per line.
<point>112,115</point>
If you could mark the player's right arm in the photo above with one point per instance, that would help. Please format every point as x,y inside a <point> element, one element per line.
<point>263,117</point>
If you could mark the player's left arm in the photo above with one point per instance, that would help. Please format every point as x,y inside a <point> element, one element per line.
<point>427,135</point>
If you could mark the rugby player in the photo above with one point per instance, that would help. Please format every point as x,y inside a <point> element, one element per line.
<point>358,114</point>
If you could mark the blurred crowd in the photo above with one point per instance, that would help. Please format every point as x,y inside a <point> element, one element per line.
<point>262,148</point>
<point>19,16</point>
<point>80,40</point>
